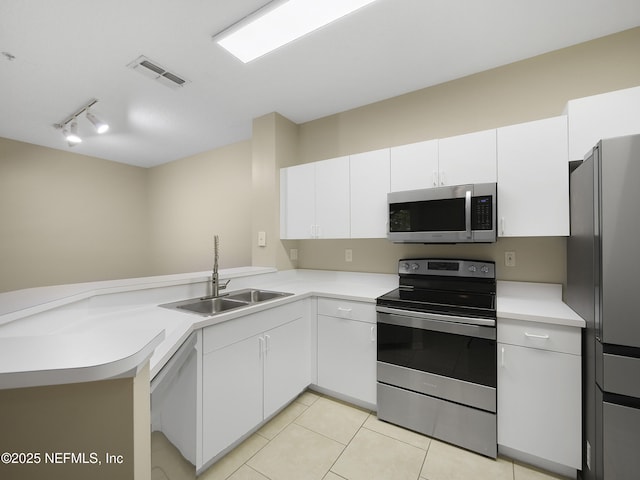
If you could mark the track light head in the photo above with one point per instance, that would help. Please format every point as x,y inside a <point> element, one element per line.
<point>71,133</point>
<point>100,126</point>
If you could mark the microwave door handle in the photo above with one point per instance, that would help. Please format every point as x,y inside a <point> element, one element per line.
<point>467,209</point>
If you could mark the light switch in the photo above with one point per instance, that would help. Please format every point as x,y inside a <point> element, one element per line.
<point>262,239</point>
<point>348,255</point>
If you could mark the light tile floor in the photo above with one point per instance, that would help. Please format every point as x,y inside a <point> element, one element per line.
<point>319,438</point>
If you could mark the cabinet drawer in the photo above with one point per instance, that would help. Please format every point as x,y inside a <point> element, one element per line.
<point>365,312</point>
<point>237,329</point>
<point>557,338</point>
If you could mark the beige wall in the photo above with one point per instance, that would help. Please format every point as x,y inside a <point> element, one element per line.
<point>68,218</point>
<point>192,199</point>
<point>532,89</point>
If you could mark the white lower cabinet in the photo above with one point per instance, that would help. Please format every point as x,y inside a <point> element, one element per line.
<point>232,395</point>
<point>286,364</point>
<point>347,348</point>
<point>539,381</point>
<point>252,366</point>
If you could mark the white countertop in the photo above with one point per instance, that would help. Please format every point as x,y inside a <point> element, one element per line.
<point>535,302</point>
<point>100,330</point>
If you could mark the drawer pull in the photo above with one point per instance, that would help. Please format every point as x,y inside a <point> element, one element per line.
<point>533,335</point>
<point>344,310</point>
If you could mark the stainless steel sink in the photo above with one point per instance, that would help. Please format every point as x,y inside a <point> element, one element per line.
<point>255,296</point>
<point>231,301</point>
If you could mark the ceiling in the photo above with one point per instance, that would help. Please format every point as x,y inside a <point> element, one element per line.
<point>59,55</point>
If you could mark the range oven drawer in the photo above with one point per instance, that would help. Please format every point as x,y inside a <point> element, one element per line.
<point>467,427</point>
<point>465,393</point>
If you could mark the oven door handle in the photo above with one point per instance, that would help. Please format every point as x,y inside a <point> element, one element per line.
<point>439,323</point>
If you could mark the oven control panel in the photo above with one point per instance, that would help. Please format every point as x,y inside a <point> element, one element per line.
<point>447,267</point>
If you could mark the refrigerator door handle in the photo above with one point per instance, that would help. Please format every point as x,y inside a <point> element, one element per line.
<point>597,195</point>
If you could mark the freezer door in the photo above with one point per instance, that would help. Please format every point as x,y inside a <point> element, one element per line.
<point>621,437</point>
<point>619,219</point>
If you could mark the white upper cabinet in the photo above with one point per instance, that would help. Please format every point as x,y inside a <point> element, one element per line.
<point>314,200</point>
<point>533,179</point>
<point>611,114</point>
<point>369,188</point>
<point>469,158</point>
<point>297,201</point>
<point>332,198</point>
<point>414,166</point>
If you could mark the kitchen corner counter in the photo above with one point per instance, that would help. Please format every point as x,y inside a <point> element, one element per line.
<point>93,331</point>
<point>535,302</point>
<point>74,358</point>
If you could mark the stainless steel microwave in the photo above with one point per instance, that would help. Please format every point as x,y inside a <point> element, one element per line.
<point>453,214</point>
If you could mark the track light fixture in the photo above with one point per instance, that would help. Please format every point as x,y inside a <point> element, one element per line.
<point>99,125</point>
<point>69,125</point>
<point>71,133</point>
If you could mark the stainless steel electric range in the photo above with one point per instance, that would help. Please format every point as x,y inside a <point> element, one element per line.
<point>436,367</point>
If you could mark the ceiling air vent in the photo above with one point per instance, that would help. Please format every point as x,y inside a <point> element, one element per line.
<point>153,70</point>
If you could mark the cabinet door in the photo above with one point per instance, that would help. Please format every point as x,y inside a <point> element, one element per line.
<point>297,201</point>
<point>539,409</point>
<point>469,158</point>
<point>332,198</point>
<point>414,166</point>
<point>286,364</point>
<point>231,394</point>
<point>533,179</point>
<point>347,357</point>
<point>369,188</point>
<point>607,115</point>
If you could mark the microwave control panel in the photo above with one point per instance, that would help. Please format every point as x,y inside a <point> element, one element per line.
<point>482,213</point>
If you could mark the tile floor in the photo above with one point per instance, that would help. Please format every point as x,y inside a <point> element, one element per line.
<point>319,438</point>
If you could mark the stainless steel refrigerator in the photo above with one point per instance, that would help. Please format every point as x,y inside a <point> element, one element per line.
<point>603,286</point>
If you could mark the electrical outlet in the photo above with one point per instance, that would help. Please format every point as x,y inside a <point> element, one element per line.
<point>510,259</point>
<point>348,255</point>
<point>293,254</point>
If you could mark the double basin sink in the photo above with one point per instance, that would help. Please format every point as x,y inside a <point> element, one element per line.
<point>208,307</point>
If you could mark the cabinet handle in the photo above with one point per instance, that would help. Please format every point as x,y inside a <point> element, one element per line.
<point>267,344</point>
<point>373,334</point>
<point>312,230</point>
<point>502,226</point>
<point>443,180</point>
<point>343,309</point>
<point>502,357</point>
<point>261,347</point>
<point>434,178</point>
<point>533,335</point>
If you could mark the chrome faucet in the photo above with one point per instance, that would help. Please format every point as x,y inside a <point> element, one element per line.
<point>215,279</point>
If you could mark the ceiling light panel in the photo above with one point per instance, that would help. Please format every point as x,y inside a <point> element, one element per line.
<point>273,27</point>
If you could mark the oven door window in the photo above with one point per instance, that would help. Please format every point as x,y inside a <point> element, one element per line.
<point>461,357</point>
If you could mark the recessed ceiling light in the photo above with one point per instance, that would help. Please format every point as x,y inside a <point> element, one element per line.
<point>280,23</point>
